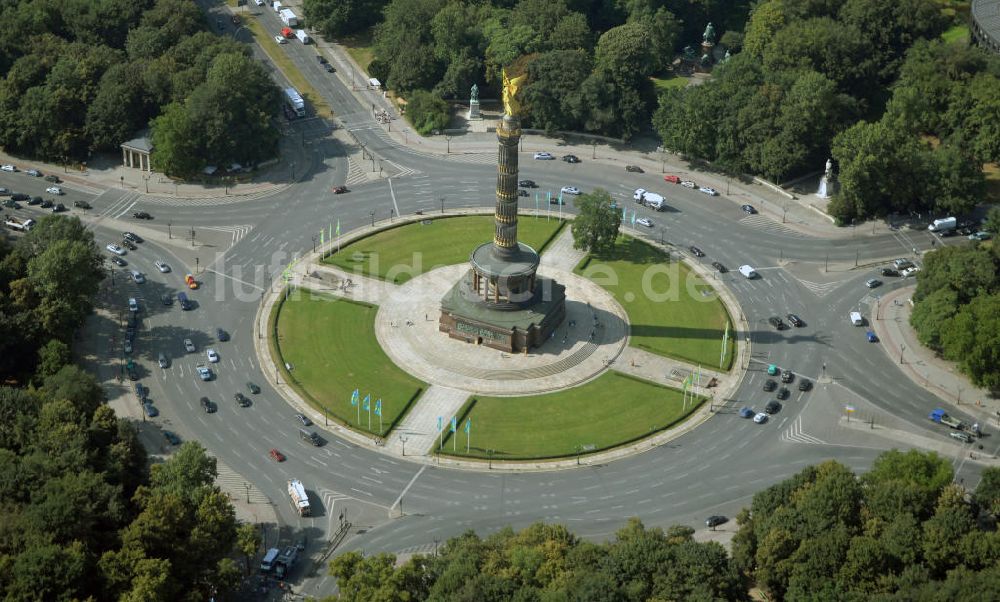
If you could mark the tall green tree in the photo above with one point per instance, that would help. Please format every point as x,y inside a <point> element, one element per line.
<point>595,228</point>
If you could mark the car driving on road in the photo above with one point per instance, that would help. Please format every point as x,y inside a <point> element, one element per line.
<point>543,156</point>
<point>642,221</point>
<point>696,251</point>
<point>241,400</point>
<point>760,418</point>
<point>569,190</point>
<point>748,209</point>
<point>115,249</point>
<point>162,266</point>
<point>253,388</point>
<point>718,266</point>
<point>770,385</point>
<point>54,190</point>
<point>688,184</point>
<point>795,320</point>
<point>709,191</point>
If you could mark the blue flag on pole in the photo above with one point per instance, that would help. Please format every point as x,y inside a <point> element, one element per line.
<point>633,218</point>
<point>378,407</point>
<point>338,227</point>
<point>454,423</point>
<point>468,425</point>
<point>354,398</point>
<point>439,424</point>
<point>367,402</point>
<point>624,213</point>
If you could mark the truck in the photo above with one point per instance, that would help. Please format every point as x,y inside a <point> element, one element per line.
<point>300,500</point>
<point>15,224</point>
<point>190,281</point>
<point>856,318</point>
<point>302,36</point>
<point>945,223</point>
<point>942,417</point>
<point>649,199</point>
<point>294,102</point>
<point>288,17</point>
<point>285,561</point>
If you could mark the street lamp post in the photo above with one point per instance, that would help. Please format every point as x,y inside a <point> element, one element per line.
<point>593,146</point>
<point>901,348</point>
<point>442,204</point>
<point>402,439</point>
<point>314,243</point>
<point>292,165</point>
<point>372,213</point>
<point>169,233</point>
<point>391,212</point>
<point>192,237</point>
<point>448,140</point>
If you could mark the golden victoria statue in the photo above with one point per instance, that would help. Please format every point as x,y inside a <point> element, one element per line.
<point>510,85</point>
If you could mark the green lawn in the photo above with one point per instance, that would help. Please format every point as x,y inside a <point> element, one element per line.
<point>359,46</point>
<point>665,83</point>
<point>332,349</point>
<point>956,33</point>
<point>606,412</point>
<point>672,311</point>
<point>401,253</point>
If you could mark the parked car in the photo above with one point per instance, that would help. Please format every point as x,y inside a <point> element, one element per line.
<point>527,184</point>
<point>982,235</point>
<point>787,376</point>
<point>54,190</point>
<point>131,237</point>
<point>115,249</point>
<point>222,335</point>
<point>189,346</point>
<point>696,251</point>
<point>571,158</point>
<point>873,283</point>
<point>795,320</point>
<point>162,360</point>
<point>128,244</point>
<point>138,276</point>
<point>901,263</point>
<point>805,384</point>
<point>633,169</point>
<point>208,405</point>
<point>204,373</point>
<point>909,271</point>
<point>772,407</point>
<point>150,410</point>
<point>748,209</point>
<point>709,191</point>
<point>522,192</point>
<point>53,179</point>
<point>33,172</point>
<point>570,190</point>
<point>715,520</point>
<point>167,298</point>
<point>35,200</point>
<point>118,261</point>
<point>212,355</point>
<point>642,221</point>
<point>171,438</point>
<point>688,184</point>
<point>672,179</point>
<point>760,418</point>
<point>58,208</point>
<point>770,385</point>
<point>544,156</point>
<point>718,266</point>
<point>963,437</point>
<point>280,40</point>
<point>46,204</point>
<point>8,167</point>
<point>782,393</point>
<point>79,204</point>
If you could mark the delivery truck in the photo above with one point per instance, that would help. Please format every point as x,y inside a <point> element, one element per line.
<point>942,417</point>
<point>943,224</point>
<point>288,17</point>
<point>301,35</point>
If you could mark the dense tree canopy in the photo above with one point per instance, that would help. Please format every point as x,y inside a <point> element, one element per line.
<point>595,228</point>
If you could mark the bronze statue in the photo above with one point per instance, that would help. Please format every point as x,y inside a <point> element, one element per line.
<point>709,35</point>
<point>474,94</point>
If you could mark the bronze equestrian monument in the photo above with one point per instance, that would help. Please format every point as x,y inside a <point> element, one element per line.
<point>501,301</point>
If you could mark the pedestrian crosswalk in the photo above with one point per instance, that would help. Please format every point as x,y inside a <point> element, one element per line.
<point>238,232</point>
<point>762,222</point>
<point>355,173</point>
<point>795,434</point>
<point>234,484</point>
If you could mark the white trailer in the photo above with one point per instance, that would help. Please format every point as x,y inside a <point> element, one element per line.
<point>288,17</point>
<point>15,224</point>
<point>295,102</point>
<point>302,36</point>
<point>940,225</point>
<point>300,500</point>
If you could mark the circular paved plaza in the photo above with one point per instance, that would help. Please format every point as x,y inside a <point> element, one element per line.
<point>594,332</point>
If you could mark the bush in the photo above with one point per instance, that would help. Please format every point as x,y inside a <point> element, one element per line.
<point>426,112</point>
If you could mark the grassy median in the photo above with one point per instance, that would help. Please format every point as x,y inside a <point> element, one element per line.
<point>671,310</point>
<point>612,410</point>
<point>402,253</point>
<point>330,345</point>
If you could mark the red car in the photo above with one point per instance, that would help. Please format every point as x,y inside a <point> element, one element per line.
<point>339,189</point>
<point>276,455</point>
<point>672,179</point>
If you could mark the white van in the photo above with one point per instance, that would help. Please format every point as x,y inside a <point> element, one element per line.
<point>748,272</point>
<point>856,318</point>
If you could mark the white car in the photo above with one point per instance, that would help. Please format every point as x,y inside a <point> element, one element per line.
<point>644,222</point>
<point>54,190</point>
<point>280,40</point>
<point>34,173</point>
<point>133,305</point>
<point>115,249</point>
<point>212,355</point>
<point>688,184</point>
<point>9,168</point>
<point>543,156</point>
<point>189,346</point>
<point>204,373</point>
<point>138,276</point>
<point>163,267</point>
<point>909,271</point>
<point>128,346</point>
<point>760,418</point>
<point>259,2</point>
<point>569,190</point>
<point>708,191</point>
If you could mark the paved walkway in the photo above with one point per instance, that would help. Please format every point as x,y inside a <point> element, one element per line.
<point>560,253</point>
<point>420,427</point>
<point>921,365</point>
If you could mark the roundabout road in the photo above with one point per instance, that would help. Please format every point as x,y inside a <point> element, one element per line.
<point>399,506</point>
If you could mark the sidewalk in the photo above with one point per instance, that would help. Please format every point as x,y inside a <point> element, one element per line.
<point>938,376</point>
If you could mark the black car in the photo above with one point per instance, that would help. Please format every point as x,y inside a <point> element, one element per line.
<point>696,251</point>
<point>128,244</point>
<point>770,385</point>
<point>118,261</point>
<point>329,68</point>
<point>571,158</point>
<point>787,376</point>
<point>772,407</point>
<point>82,205</point>
<point>782,393</point>
<point>527,184</point>
<point>795,320</point>
<point>633,169</point>
<point>167,299</point>
<point>556,201</point>
<point>11,204</point>
<point>715,521</point>
<point>321,59</point>
<point>59,208</point>
<point>35,200</point>
<point>171,438</point>
<point>207,405</point>
<point>46,204</point>
<point>522,192</point>
<point>242,400</point>
<point>142,215</point>
<point>53,179</point>
<point>19,196</point>
<point>805,385</point>
<point>222,335</point>
<point>304,420</point>
<point>721,268</point>
<point>748,209</point>
<point>776,322</point>
<point>132,237</point>
<point>253,388</point>
<point>890,272</point>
